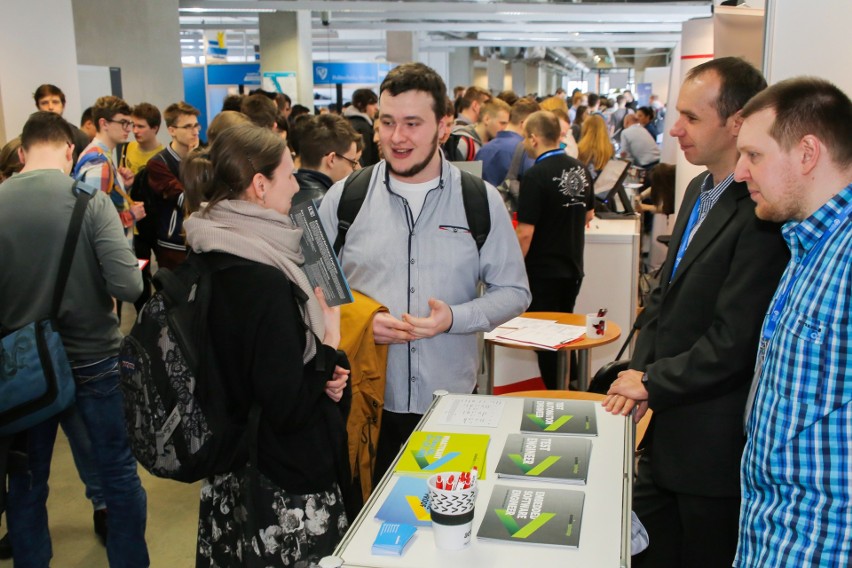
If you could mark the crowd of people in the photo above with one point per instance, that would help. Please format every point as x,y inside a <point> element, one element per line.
<point>746,458</point>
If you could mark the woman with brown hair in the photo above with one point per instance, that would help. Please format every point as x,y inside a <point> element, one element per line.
<point>275,342</point>
<point>595,147</point>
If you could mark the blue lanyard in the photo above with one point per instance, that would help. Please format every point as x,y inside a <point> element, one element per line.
<point>548,154</point>
<point>781,301</point>
<point>684,239</point>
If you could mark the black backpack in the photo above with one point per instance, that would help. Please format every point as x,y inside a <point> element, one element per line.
<point>178,422</point>
<point>355,187</point>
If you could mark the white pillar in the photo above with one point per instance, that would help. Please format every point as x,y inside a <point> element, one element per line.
<point>519,77</point>
<point>285,46</point>
<point>461,68</point>
<point>403,47</point>
<point>496,74</point>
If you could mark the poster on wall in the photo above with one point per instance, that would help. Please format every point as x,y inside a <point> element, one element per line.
<point>280,82</point>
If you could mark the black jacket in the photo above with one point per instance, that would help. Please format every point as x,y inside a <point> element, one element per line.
<point>699,342</point>
<point>312,185</point>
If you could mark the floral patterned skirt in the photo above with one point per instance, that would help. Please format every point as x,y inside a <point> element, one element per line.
<point>286,529</point>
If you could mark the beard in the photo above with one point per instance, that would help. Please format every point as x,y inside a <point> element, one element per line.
<point>418,167</point>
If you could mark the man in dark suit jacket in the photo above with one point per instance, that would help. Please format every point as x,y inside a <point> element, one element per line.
<point>694,359</point>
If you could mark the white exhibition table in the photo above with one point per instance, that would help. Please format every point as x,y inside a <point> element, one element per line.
<point>605,529</point>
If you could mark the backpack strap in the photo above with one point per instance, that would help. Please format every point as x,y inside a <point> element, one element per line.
<point>471,149</point>
<point>517,160</point>
<point>475,198</point>
<point>354,191</point>
<point>71,238</point>
<point>355,187</point>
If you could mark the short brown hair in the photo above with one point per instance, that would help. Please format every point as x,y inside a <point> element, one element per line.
<point>740,81</point>
<point>44,127</point>
<point>510,96</point>
<point>474,94</point>
<point>149,113</point>
<point>260,109</point>
<point>106,108</point>
<point>417,77</point>
<point>320,135</point>
<point>544,124</point>
<point>492,107</point>
<point>522,109</point>
<point>808,105</point>
<point>47,90</point>
<point>224,120</point>
<point>175,110</point>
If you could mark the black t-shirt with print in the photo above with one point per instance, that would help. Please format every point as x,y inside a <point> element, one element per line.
<point>554,197</point>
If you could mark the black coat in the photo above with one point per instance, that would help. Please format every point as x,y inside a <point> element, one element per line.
<point>312,185</point>
<point>699,342</point>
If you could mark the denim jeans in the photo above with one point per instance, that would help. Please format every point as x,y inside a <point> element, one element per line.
<point>84,459</point>
<point>99,403</point>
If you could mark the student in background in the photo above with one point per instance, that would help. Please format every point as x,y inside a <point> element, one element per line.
<point>146,125</point>
<point>595,148</point>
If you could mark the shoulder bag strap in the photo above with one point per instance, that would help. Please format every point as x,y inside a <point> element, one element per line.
<point>71,239</point>
<point>517,160</point>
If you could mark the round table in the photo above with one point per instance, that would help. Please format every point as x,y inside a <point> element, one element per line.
<point>581,346</point>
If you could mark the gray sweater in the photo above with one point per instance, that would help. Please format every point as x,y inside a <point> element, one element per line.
<point>35,209</point>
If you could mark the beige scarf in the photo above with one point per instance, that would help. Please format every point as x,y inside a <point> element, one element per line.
<point>263,235</point>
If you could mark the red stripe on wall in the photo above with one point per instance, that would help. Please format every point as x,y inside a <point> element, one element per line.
<point>699,56</point>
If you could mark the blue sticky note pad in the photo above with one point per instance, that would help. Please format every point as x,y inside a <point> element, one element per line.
<point>392,539</point>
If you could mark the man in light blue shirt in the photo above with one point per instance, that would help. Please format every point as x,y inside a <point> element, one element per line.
<point>410,249</point>
<point>796,157</point>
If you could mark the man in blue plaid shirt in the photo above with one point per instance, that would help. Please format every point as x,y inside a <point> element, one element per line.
<point>796,157</point>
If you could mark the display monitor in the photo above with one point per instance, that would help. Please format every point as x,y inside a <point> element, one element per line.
<point>610,196</point>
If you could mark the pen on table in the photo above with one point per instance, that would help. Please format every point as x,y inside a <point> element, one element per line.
<point>570,525</point>
<point>602,312</point>
<point>576,464</point>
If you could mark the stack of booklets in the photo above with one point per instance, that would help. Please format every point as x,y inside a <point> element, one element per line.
<point>557,416</point>
<point>434,452</point>
<point>533,516</point>
<point>548,458</point>
<point>392,539</point>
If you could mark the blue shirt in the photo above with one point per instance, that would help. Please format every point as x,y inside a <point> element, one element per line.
<point>797,463</point>
<point>496,157</point>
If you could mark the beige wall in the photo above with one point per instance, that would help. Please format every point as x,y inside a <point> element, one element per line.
<point>142,38</point>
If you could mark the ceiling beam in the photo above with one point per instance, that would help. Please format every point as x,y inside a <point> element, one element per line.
<point>616,12</point>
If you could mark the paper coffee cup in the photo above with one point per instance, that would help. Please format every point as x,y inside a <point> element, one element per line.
<point>451,512</point>
<point>595,326</point>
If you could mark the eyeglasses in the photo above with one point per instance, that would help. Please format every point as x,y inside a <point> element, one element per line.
<point>354,163</point>
<point>193,126</point>
<point>125,124</point>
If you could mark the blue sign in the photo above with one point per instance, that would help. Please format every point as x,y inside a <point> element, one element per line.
<point>331,73</point>
<point>233,74</point>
